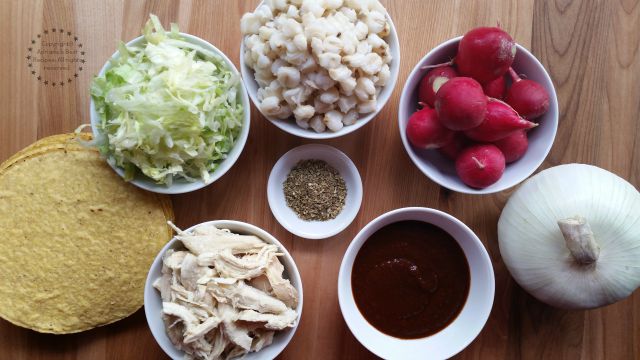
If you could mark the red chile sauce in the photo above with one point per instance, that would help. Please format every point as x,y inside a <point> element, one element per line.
<point>410,279</point>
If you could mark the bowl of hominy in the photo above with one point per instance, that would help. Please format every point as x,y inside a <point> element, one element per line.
<point>319,70</point>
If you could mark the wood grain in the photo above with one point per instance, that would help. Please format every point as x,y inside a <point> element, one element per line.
<point>591,49</point>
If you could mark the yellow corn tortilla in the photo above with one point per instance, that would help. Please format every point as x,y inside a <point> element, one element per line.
<point>76,241</point>
<point>59,140</point>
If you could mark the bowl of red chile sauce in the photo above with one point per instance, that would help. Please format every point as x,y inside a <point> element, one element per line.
<point>416,283</point>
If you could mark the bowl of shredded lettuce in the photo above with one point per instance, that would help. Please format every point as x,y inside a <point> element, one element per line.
<point>169,111</point>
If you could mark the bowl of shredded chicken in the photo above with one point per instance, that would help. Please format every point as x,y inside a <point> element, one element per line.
<point>222,290</point>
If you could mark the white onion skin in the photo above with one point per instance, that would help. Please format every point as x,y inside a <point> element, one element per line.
<point>534,250</point>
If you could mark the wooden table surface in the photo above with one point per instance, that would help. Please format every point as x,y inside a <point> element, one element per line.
<point>590,48</point>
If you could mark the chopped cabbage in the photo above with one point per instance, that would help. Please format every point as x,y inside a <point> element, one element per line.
<point>167,107</point>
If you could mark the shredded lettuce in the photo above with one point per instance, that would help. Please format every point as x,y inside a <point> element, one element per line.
<point>167,107</point>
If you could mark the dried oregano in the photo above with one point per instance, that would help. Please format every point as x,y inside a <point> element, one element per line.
<point>315,190</point>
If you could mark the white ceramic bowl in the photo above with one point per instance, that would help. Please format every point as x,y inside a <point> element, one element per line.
<point>441,169</point>
<point>180,186</point>
<point>290,126</point>
<point>457,335</point>
<point>288,218</point>
<point>153,302</point>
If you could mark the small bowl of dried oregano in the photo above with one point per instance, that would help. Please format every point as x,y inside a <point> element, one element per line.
<point>314,191</point>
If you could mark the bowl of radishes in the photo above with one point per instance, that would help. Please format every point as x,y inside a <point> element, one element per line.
<point>479,113</point>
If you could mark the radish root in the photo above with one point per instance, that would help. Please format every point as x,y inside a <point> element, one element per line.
<point>448,63</point>
<point>480,164</point>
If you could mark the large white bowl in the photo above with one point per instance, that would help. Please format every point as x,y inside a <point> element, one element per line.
<point>441,169</point>
<point>153,302</point>
<point>457,335</point>
<point>288,218</point>
<point>290,126</point>
<point>180,186</point>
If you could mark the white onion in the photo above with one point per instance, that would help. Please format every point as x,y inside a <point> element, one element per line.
<point>597,260</point>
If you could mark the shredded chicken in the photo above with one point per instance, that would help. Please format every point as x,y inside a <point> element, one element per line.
<point>201,330</point>
<point>247,267</point>
<point>200,241</point>
<point>173,259</point>
<point>263,338</point>
<point>261,283</point>
<point>188,319</point>
<point>282,288</point>
<point>272,322</point>
<point>191,272</point>
<point>220,343</point>
<point>224,295</point>
<point>238,336</point>
<point>247,297</point>
<point>163,284</point>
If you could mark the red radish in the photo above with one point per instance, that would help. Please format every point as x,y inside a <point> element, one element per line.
<point>432,81</point>
<point>485,53</point>
<point>452,149</point>
<point>480,165</point>
<point>500,121</point>
<point>513,146</point>
<point>461,104</point>
<point>425,131</point>
<point>496,88</point>
<point>527,97</point>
